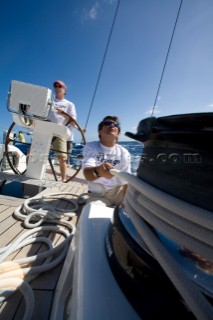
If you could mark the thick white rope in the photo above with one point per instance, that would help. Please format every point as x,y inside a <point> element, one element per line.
<point>36,209</point>
<point>15,275</point>
<point>174,213</point>
<point>182,231</point>
<point>193,297</point>
<point>25,289</point>
<point>182,208</point>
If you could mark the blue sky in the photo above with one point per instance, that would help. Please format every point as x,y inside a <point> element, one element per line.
<point>45,40</point>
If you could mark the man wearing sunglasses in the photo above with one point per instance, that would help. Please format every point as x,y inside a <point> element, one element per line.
<point>57,115</point>
<point>101,156</point>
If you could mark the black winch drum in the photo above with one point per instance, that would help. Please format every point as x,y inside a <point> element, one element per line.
<point>178,156</point>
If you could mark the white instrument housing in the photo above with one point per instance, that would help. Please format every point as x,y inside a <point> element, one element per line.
<point>30,106</point>
<point>29,99</point>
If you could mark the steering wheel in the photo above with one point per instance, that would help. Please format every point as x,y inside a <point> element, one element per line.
<point>72,172</point>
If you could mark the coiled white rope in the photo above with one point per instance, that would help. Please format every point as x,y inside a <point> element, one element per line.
<point>16,274</point>
<point>36,209</point>
<point>180,230</point>
<point>25,289</point>
<point>163,212</point>
<point>162,209</point>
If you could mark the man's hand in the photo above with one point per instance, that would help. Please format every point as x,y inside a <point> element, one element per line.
<point>103,170</point>
<point>93,173</point>
<point>61,111</point>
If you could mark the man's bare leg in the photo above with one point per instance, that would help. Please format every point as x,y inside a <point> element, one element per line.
<point>63,167</point>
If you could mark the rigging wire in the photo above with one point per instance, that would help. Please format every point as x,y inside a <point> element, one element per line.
<point>167,55</point>
<point>103,61</point>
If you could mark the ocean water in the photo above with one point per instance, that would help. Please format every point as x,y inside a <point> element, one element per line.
<point>135,149</point>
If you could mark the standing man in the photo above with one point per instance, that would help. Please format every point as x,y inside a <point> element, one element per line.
<point>101,156</point>
<point>57,115</point>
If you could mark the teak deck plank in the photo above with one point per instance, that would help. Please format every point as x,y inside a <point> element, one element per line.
<point>10,228</point>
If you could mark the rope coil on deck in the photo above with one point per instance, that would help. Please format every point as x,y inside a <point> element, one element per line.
<point>16,274</point>
<point>184,223</point>
<point>36,209</point>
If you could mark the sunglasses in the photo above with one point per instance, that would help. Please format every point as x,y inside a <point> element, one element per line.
<point>58,86</point>
<point>109,123</point>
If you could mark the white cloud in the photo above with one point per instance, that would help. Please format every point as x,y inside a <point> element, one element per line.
<point>156,111</point>
<point>92,13</point>
<point>210,106</point>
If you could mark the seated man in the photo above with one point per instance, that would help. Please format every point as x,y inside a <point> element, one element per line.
<point>101,156</point>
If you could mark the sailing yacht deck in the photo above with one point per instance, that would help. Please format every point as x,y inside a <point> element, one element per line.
<point>10,228</point>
